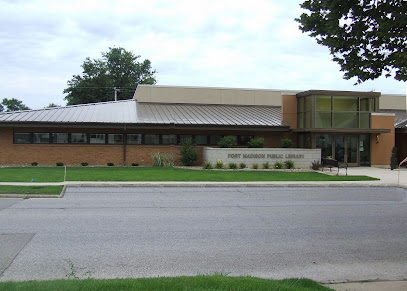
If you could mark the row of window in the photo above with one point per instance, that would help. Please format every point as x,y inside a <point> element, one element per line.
<point>118,139</point>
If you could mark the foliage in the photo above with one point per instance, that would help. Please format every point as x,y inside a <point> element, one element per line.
<point>233,166</point>
<point>84,164</point>
<point>118,68</point>
<point>163,160</point>
<point>289,164</point>
<point>257,142</point>
<point>195,283</point>
<point>219,164</point>
<point>316,165</point>
<point>51,105</point>
<point>255,166</point>
<point>34,164</point>
<point>110,164</point>
<point>266,165</point>
<point>207,166</point>
<point>59,164</point>
<point>286,142</point>
<point>227,142</point>
<point>12,105</point>
<point>366,38</point>
<point>393,160</point>
<point>189,154</point>
<point>242,165</point>
<point>278,165</point>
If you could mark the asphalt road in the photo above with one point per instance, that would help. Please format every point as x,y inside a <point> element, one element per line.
<point>326,234</point>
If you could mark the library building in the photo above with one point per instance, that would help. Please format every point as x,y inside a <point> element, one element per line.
<point>359,128</point>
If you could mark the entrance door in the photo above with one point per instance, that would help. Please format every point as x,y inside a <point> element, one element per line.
<point>346,149</point>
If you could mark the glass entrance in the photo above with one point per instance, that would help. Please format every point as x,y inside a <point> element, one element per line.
<point>353,149</point>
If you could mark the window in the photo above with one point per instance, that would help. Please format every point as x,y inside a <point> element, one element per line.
<point>184,136</point>
<point>213,139</point>
<point>152,139</point>
<point>97,138</point>
<point>79,138</point>
<point>134,138</point>
<point>169,139</point>
<point>41,138</point>
<point>201,139</point>
<point>243,139</point>
<point>324,142</point>
<point>22,138</point>
<point>115,138</point>
<point>59,138</point>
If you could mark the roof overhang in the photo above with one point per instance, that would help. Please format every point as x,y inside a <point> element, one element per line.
<point>343,130</point>
<point>339,93</point>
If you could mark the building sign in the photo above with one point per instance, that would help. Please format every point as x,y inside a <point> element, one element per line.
<point>265,156</point>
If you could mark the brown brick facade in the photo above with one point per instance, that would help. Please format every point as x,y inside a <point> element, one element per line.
<point>74,154</point>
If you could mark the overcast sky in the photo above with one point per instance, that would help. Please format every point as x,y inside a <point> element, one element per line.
<point>243,44</point>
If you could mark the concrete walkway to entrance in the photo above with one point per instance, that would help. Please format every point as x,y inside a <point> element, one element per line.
<point>386,176</point>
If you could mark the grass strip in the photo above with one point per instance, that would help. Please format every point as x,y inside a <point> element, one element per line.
<point>213,283</point>
<point>56,174</point>
<point>185,175</point>
<point>32,190</point>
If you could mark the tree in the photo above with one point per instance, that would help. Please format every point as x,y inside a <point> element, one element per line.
<point>117,69</point>
<point>52,105</point>
<point>366,38</point>
<point>12,105</point>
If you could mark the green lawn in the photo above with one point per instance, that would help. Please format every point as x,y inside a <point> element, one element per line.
<point>56,174</point>
<point>213,283</point>
<point>46,190</point>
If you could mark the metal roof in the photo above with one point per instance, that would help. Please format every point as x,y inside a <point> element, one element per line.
<point>400,119</point>
<point>133,112</point>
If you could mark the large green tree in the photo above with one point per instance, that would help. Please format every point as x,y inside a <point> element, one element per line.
<point>12,105</point>
<point>366,38</point>
<point>117,69</point>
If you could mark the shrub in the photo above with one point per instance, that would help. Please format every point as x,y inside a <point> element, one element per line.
<point>233,166</point>
<point>34,164</point>
<point>227,142</point>
<point>110,164</point>
<point>163,160</point>
<point>219,164</point>
<point>84,164</point>
<point>134,164</point>
<point>316,165</point>
<point>242,166</point>
<point>207,166</point>
<point>289,164</point>
<point>266,165</point>
<point>189,153</point>
<point>257,142</point>
<point>59,164</point>
<point>278,165</point>
<point>286,142</point>
<point>255,166</point>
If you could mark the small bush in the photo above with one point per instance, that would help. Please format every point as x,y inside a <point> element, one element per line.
<point>233,166</point>
<point>316,165</point>
<point>278,165</point>
<point>242,166</point>
<point>289,164</point>
<point>255,166</point>
<point>59,164</point>
<point>163,160</point>
<point>266,165</point>
<point>189,153</point>
<point>84,164</point>
<point>227,142</point>
<point>110,164</point>
<point>286,142</point>
<point>257,142</point>
<point>220,164</point>
<point>134,164</point>
<point>393,159</point>
<point>207,166</point>
<point>34,164</point>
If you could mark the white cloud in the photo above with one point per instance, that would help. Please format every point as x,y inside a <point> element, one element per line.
<point>205,43</point>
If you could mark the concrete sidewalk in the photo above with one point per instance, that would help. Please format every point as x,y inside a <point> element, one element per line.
<point>370,286</point>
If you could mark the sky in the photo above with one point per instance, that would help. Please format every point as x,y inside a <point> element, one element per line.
<point>238,44</point>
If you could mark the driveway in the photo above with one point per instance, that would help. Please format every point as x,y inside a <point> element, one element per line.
<point>326,234</point>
